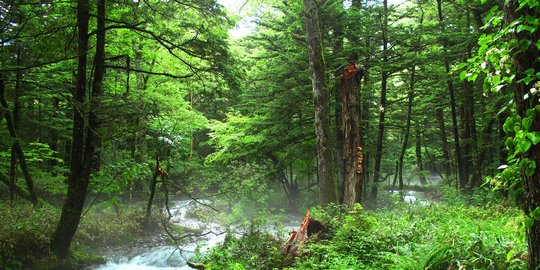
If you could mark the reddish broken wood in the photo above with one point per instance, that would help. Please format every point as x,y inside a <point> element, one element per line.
<point>297,238</point>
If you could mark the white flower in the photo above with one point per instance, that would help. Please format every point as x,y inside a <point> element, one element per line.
<point>381,109</point>
<point>483,65</point>
<point>526,96</point>
<point>534,90</point>
<point>498,72</point>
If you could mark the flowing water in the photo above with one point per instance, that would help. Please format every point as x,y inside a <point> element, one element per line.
<point>164,256</point>
<point>168,257</point>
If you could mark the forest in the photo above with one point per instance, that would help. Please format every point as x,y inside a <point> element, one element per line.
<point>269,134</point>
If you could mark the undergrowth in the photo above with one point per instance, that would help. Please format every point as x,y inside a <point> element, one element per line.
<point>451,234</point>
<point>26,231</point>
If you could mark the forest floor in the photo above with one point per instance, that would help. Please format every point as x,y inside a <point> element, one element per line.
<point>439,229</point>
<point>476,231</point>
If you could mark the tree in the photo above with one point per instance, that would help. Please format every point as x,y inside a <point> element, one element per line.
<point>352,140</point>
<point>85,135</point>
<point>509,59</point>
<point>451,93</point>
<point>328,192</point>
<point>525,54</point>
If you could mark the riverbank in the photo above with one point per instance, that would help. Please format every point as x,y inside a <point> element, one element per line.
<point>452,233</point>
<point>26,230</point>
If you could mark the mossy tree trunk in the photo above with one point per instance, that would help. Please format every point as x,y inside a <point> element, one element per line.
<point>327,186</point>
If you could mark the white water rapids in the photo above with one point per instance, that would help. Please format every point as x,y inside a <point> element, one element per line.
<point>167,256</point>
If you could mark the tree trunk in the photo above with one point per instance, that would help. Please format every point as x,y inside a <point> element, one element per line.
<point>82,151</point>
<point>152,192</point>
<point>16,120</point>
<point>16,144</point>
<point>524,60</point>
<point>410,96</point>
<point>419,161</point>
<point>382,105</point>
<point>450,86</point>
<point>352,140</point>
<point>446,163</point>
<point>328,191</point>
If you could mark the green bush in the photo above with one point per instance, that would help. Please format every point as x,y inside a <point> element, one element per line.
<point>254,249</point>
<point>455,235</point>
<point>25,233</point>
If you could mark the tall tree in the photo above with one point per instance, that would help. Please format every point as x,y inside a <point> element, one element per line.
<point>328,191</point>
<point>16,145</point>
<point>525,53</point>
<point>83,145</point>
<point>450,87</point>
<point>514,65</point>
<point>352,140</point>
<point>382,105</point>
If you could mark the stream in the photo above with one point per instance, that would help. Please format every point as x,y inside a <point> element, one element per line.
<point>164,256</point>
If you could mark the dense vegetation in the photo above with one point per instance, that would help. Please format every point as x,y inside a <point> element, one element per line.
<point>111,110</point>
<point>470,233</point>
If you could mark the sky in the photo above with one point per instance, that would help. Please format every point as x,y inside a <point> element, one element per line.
<point>244,27</point>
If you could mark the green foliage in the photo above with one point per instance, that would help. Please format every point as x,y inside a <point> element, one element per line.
<point>254,249</point>
<point>437,236</point>
<point>113,226</point>
<point>25,232</point>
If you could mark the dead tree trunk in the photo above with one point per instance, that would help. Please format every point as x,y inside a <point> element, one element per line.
<point>352,139</point>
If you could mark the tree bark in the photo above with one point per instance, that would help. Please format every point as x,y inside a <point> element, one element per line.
<point>419,161</point>
<point>450,86</point>
<point>352,140</point>
<point>446,163</point>
<point>328,191</point>
<point>16,144</point>
<point>410,99</point>
<point>152,192</point>
<point>524,60</point>
<point>83,149</point>
<point>16,120</point>
<point>382,105</point>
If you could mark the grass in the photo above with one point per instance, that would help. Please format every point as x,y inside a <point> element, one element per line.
<point>475,231</point>
<point>26,231</point>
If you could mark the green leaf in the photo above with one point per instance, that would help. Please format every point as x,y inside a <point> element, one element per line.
<point>523,146</point>
<point>495,80</point>
<point>508,125</point>
<point>463,75</point>
<point>510,255</point>
<point>526,123</point>
<point>534,137</point>
<point>536,213</point>
<point>530,167</point>
<point>528,222</point>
